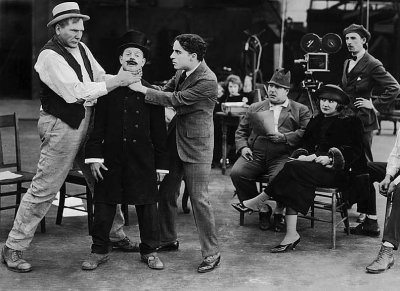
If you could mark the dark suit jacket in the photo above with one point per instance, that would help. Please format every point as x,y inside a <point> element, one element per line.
<point>369,74</point>
<point>194,102</point>
<point>131,137</point>
<point>292,123</point>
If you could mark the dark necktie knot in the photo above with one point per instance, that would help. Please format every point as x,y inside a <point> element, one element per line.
<point>181,79</point>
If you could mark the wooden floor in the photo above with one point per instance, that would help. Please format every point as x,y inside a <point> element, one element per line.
<point>246,264</point>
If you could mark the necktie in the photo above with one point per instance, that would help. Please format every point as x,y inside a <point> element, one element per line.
<point>354,58</point>
<point>181,79</point>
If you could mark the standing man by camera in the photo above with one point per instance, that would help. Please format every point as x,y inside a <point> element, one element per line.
<point>363,73</point>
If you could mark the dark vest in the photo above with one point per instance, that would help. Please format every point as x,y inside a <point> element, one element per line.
<point>71,113</point>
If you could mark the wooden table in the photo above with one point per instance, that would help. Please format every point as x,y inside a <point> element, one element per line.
<point>226,120</point>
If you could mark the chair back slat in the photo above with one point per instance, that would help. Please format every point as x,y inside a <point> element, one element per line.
<point>11,121</point>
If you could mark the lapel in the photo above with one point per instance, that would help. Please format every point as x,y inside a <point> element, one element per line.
<point>193,76</point>
<point>358,68</point>
<point>284,114</point>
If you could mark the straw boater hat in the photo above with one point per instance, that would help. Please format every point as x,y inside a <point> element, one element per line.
<point>66,10</point>
<point>333,92</point>
<point>279,78</point>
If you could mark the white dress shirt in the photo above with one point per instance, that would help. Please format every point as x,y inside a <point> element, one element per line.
<point>393,163</point>
<point>55,72</point>
<point>277,108</point>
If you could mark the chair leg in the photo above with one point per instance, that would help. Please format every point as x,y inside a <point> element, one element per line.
<point>18,197</point>
<point>333,221</point>
<point>61,203</point>
<point>89,209</point>
<point>43,225</point>
<point>388,208</point>
<point>394,127</point>
<point>312,215</point>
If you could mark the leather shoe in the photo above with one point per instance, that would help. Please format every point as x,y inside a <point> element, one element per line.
<point>209,263</point>
<point>264,219</point>
<point>279,223</point>
<point>241,208</point>
<point>152,261</point>
<point>383,262</point>
<point>125,245</point>
<point>369,227</point>
<point>93,261</point>
<point>13,260</point>
<point>171,246</point>
<point>285,248</point>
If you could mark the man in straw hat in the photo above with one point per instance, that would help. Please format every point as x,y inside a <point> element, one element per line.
<point>126,146</point>
<point>266,153</point>
<point>362,75</point>
<point>71,80</point>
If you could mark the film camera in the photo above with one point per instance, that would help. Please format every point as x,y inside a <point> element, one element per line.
<point>316,59</point>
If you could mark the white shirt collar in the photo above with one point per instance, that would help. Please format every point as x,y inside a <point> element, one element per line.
<point>191,71</point>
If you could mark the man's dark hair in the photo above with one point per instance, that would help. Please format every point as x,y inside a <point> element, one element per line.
<point>63,23</point>
<point>193,44</point>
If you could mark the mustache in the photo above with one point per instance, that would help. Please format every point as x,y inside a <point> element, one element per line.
<point>131,62</point>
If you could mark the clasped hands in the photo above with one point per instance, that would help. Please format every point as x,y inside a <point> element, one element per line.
<point>386,187</point>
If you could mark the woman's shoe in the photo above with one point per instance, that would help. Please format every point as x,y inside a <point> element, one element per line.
<point>285,248</point>
<point>241,208</point>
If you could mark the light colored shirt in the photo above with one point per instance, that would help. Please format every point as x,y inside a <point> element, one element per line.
<point>191,71</point>
<point>353,63</point>
<point>393,163</point>
<point>55,72</point>
<point>277,108</point>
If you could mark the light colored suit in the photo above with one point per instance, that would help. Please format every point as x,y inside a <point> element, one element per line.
<point>194,101</point>
<point>268,157</point>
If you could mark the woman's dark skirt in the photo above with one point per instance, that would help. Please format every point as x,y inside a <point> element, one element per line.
<point>295,184</point>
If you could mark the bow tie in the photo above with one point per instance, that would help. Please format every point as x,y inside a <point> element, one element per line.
<point>354,58</point>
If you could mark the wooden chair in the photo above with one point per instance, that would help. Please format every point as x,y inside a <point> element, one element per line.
<point>328,199</point>
<point>10,147</point>
<point>75,177</point>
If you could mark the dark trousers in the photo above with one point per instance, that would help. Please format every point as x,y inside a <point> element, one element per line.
<point>148,226</point>
<point>367,144</point>
<point>367,201</point>
<point>392,229</point>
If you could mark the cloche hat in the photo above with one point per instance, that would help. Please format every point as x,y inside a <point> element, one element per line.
<point>333,92</point>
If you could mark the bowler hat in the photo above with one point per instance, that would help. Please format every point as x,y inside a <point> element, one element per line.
<point>333,92</point>
<point>280,78</point>
<point>66,10</point>
<point>361,30</point>
<point>133,38</point>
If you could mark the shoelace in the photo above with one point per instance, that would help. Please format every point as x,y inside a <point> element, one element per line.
<point>16,255</point>
<point>382,252</point>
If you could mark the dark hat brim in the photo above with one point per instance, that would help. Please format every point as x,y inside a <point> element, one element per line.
<point>69,15</point>
<point>279,85</point>
<point>333,93</point>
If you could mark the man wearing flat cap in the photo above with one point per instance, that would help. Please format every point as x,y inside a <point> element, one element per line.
<point>362,75</point>
<point>71,80</point>
<point>126,146</point>
<point>262,153</point>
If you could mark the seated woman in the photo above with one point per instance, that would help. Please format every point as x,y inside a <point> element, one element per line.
<point>332,148</point>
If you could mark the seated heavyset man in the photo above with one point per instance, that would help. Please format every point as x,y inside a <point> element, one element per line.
<point>266,154</point>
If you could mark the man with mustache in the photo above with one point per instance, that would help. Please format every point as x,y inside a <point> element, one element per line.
<point>71,80</point>
<point>126,146</point>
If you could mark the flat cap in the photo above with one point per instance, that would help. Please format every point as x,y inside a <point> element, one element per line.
<point>357,28</point>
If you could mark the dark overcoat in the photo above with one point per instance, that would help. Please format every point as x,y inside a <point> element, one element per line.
<point>130,135</point>
<point>367,77</point>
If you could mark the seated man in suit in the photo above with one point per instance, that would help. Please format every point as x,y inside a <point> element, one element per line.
<point>266,154</point>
